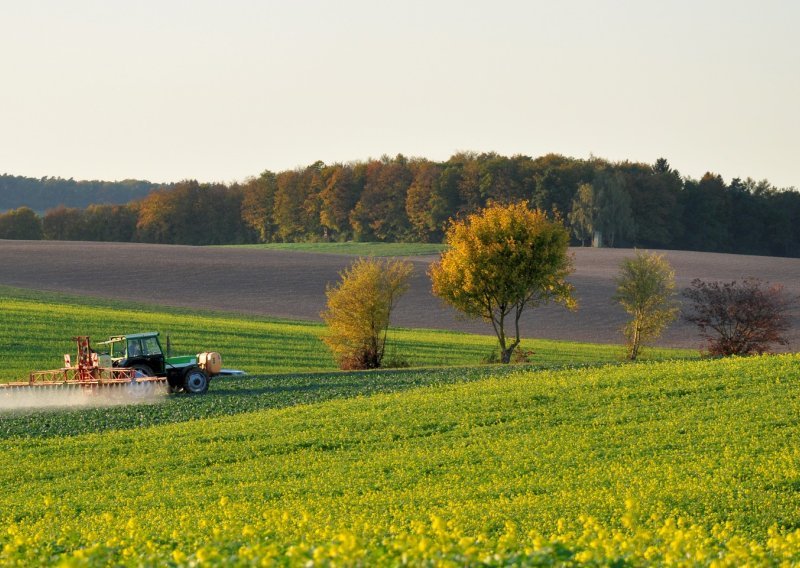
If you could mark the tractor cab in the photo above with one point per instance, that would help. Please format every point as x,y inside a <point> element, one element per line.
<point>141,351</point>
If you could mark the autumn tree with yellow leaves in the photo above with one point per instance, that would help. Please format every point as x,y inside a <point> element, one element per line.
<point>500,261</point>
<point>359,309</point>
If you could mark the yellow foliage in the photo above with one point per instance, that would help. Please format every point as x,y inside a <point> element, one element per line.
<point>359,309</point>
<point>500,261</point>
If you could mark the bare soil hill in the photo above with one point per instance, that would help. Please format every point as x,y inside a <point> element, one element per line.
<point>292,285</point>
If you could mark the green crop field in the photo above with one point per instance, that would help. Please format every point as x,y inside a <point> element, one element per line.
<point>355,248</point>
<point>36,328</point>
<point>574,457</point>
<point>674,463</point>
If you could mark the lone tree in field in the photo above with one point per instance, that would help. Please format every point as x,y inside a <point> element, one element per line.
<point>739,318</point>
<point>502,260</point>
<point>359,308</point>
<point>646,289</point>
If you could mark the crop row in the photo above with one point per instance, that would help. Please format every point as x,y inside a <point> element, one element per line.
<point>99,411</point>
<point>646,463</point>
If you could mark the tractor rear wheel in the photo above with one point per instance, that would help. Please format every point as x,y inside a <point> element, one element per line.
<point>143,370</point>
<point>195,381</point>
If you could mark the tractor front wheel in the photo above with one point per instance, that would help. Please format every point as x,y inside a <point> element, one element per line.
<point>195,381</point>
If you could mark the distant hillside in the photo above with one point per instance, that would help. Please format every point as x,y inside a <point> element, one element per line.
<point>49,192</point>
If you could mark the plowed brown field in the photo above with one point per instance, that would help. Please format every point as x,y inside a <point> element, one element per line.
<point>292,285</point>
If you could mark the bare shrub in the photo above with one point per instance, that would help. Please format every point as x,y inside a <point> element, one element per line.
<point>739,317</point>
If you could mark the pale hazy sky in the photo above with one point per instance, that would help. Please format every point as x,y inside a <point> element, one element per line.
<point>222,90</point>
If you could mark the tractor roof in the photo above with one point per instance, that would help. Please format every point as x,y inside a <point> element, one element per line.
<point>114,338</point>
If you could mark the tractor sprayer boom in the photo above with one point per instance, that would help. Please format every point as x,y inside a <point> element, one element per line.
<point>130,360</point>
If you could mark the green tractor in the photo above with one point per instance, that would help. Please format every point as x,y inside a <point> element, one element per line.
<point>143,352</point>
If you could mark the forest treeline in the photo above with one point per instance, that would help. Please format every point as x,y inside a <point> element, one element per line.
<point>41,194</point>
<point>402,199</point>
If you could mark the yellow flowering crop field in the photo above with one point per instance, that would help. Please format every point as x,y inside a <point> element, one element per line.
<point>673,463</point>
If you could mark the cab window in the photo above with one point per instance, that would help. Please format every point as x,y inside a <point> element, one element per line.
<point>134,348</point>
<point>118,349</point>
<point>151,346</point>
